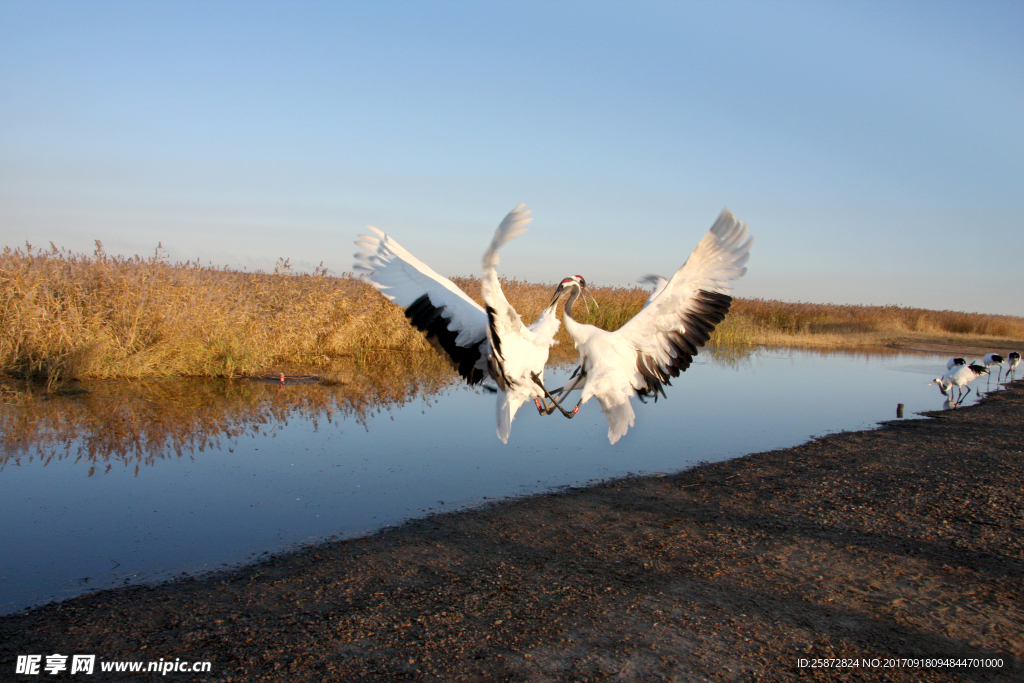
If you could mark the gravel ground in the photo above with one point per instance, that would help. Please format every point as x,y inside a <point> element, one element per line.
<point>904,542</point>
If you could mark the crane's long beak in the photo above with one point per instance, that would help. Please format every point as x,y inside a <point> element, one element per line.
<point>558,293</point>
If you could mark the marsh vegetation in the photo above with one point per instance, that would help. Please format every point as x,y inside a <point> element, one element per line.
<point>65,315</point>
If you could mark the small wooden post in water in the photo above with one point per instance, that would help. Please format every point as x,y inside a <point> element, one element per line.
<point>899,410</point>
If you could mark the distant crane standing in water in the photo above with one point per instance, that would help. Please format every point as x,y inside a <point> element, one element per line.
<point>478,342</point>
<point>955,361</point>
<point>661,340</point>
<point>1014,361</point>
<point>959,376</point>
<point>991,359</point>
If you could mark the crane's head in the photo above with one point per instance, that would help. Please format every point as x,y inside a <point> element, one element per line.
<point>942,385</point>
<point>564,286</point>
<point>577,280</point>
<point>575,284</point>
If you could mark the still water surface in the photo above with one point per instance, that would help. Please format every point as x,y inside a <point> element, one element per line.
<point>129,485</point>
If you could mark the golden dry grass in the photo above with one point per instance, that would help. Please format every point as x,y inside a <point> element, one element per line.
<point>68,315</point>
<point>778,323</point>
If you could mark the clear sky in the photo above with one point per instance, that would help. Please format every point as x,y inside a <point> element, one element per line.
<point>875,149</point>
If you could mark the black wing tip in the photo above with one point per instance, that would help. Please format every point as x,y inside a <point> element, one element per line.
<point>706,311</point>
<point>428,318</point>
<point>655,378</point>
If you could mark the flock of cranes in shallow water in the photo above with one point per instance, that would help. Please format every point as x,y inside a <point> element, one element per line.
<point>959,373</point>
<point>639,358</point>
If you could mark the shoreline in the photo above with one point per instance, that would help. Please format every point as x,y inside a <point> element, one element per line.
<point>901,541</point>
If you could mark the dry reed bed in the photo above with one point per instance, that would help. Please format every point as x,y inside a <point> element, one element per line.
<point>66,315</point>
<point>760,321</point>
<point>70,315</point>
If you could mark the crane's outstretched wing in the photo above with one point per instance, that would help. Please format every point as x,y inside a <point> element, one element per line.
<point>454,324</point>
<point>504,323</point>
<point>678,319</point>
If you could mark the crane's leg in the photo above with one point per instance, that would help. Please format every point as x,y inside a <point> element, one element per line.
<point>560,393</point>
<point>558,405</point>
<point>542,405</point>
<point>964,396</point>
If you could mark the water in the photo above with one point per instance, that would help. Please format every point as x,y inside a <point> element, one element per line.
<point>126,485</point>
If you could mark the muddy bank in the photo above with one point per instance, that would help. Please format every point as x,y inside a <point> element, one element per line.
<point>902,542</point>
<point>969,350</point>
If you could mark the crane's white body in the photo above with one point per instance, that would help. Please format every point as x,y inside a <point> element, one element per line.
<point>517,351</point>
<point>955,361</point>
<point>478,342</point>
<point>959,376</point>
<point>660,340</point>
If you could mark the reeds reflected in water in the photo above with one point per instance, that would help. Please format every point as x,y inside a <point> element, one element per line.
<point>104,424</point>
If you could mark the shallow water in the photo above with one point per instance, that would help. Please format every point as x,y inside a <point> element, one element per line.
<point>130,484</point>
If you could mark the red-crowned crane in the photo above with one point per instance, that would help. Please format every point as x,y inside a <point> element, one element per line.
<point>992,359</point>
<point>959,376</point>
<point>661,340</point>
<point>478,342</point>
<point>955,361</point>
<point>1013,360</point>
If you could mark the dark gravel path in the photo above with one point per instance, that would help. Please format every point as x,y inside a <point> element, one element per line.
<point>902,542</point>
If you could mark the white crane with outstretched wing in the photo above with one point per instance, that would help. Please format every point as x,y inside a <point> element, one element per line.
<point>479,342</point>
<point>661,340</point>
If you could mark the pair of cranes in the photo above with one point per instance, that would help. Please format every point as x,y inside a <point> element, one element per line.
<point>639,358</point>
<point>995,360</point>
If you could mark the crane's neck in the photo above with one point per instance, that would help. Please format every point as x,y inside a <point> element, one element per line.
<point>575,292</point>
<point>576,330</point>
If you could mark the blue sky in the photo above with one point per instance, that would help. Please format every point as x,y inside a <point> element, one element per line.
<point>875,149</point>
